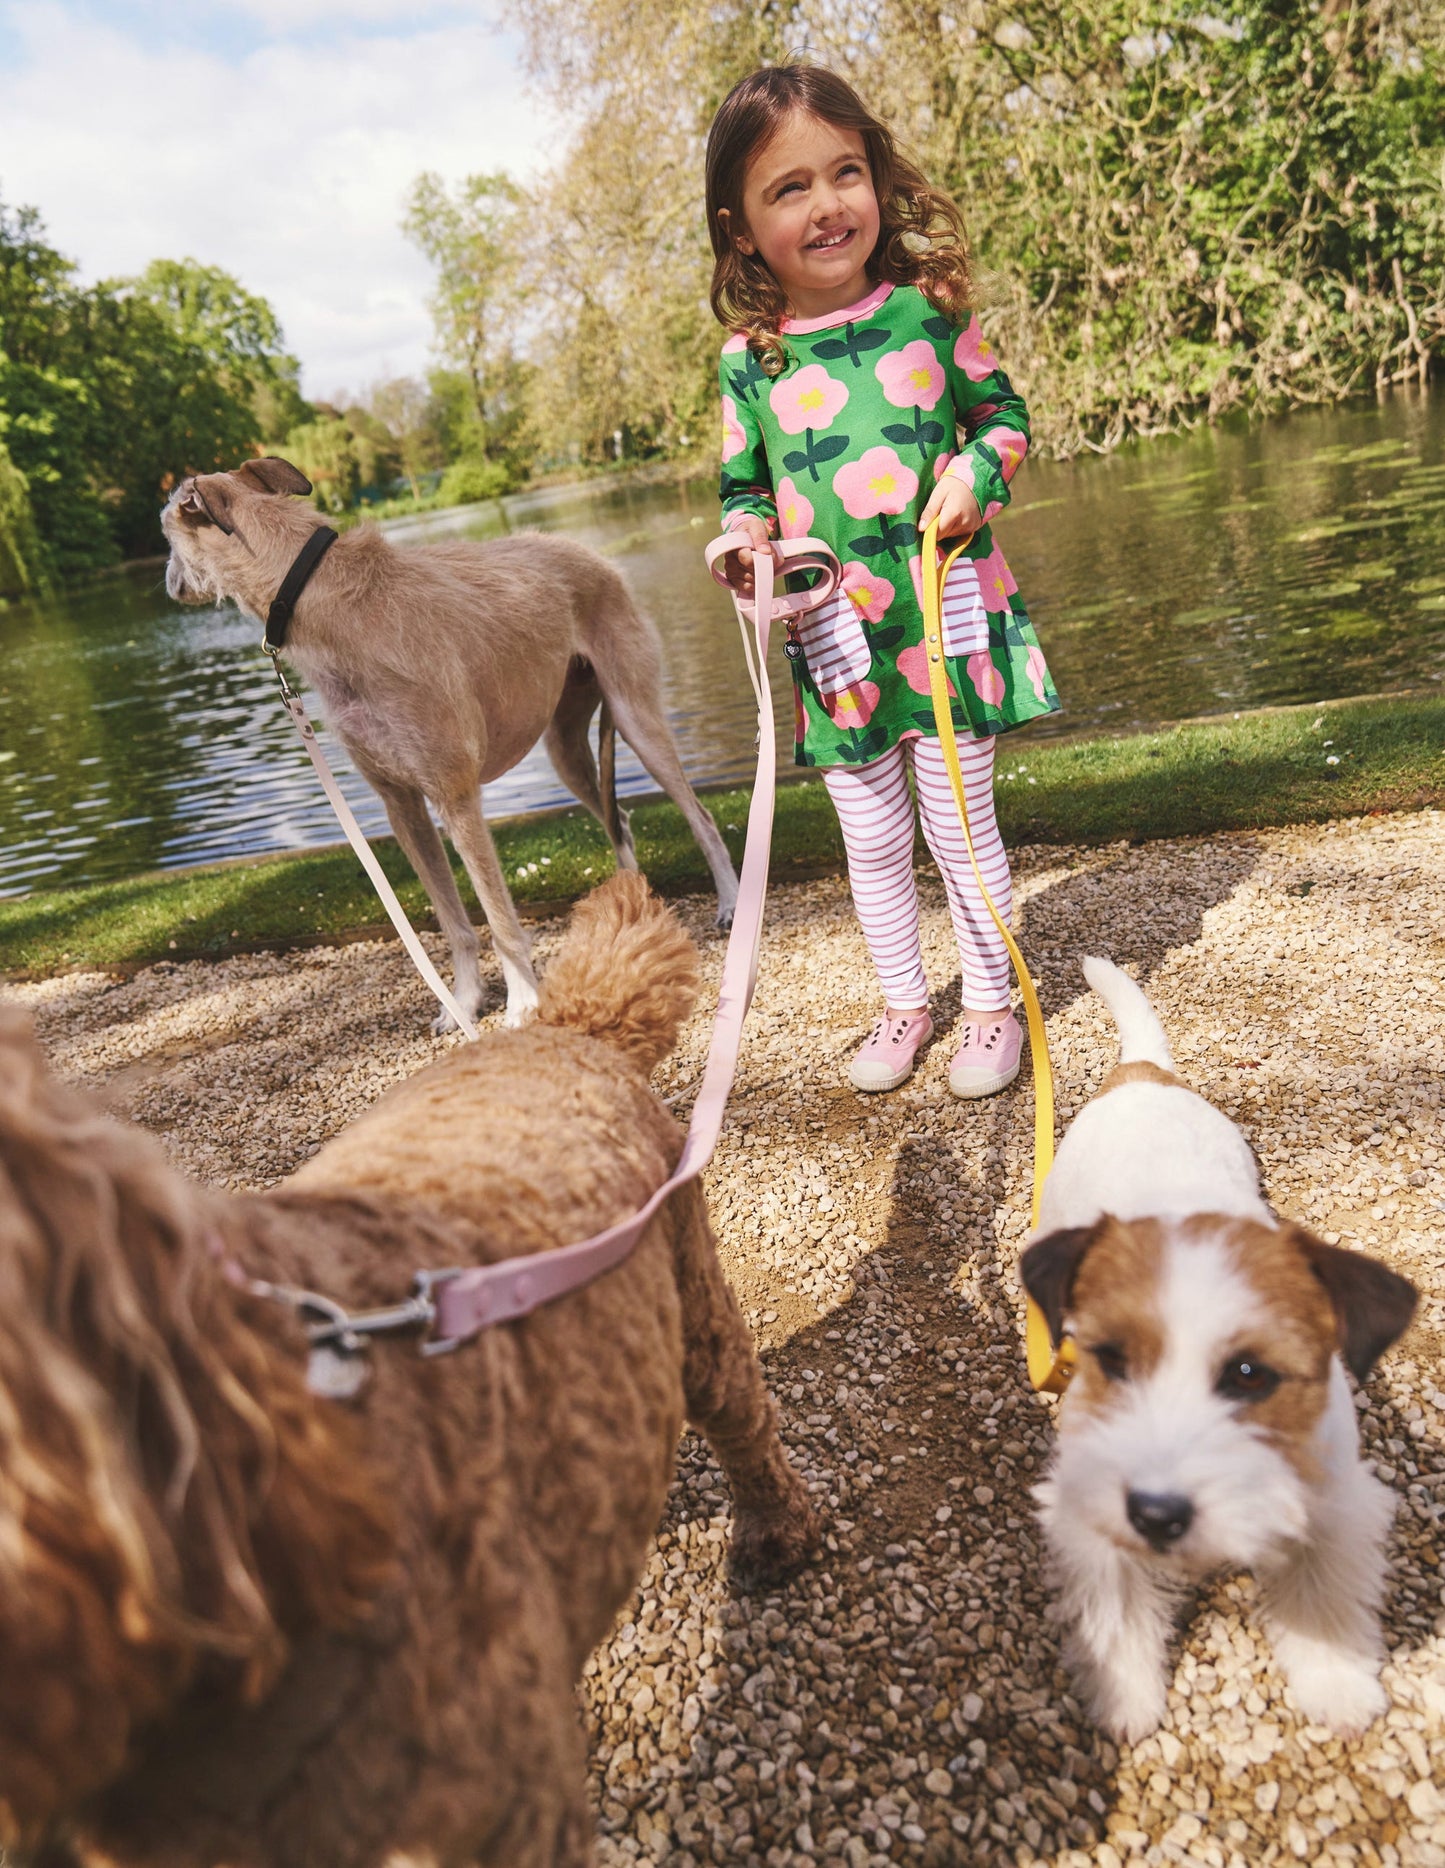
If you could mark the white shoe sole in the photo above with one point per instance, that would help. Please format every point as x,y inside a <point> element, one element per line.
<point>876,1084</point>
<point>977,1084</point>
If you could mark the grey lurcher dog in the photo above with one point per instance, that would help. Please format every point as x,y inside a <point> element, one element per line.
<point>439,667</point>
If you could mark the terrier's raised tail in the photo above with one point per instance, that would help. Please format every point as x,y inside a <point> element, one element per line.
<point>1141,1036</point>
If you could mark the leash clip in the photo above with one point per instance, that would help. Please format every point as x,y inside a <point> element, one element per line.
<point>288,693</point>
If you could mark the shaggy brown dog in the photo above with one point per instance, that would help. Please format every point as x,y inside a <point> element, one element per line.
<point>439,666</point>
<point>243,1624</point>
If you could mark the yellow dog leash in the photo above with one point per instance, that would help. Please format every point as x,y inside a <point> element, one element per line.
<point>1047,1370</point>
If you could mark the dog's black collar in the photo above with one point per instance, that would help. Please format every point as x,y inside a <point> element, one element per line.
<point>278,617</point>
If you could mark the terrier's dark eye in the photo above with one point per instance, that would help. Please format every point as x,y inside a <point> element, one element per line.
<point>1113,1364</point>
<point>1246,1378</point>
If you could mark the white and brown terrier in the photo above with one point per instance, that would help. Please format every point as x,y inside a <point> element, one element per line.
<point>1209,1423</point>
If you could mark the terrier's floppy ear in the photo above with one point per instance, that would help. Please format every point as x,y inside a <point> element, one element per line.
<point>208,504</point>
<point>1048,1269</point>
<point>1372,1304</point>
<point>273,475</point>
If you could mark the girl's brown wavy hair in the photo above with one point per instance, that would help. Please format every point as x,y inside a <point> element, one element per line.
<point>921,238</point>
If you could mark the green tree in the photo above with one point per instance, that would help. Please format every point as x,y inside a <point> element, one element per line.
<point>404,408</point>
<point>109,392</point>
<point>473,238</point>
<point>326,452</point>
<point>1175,211</point>
<point>22,560</point>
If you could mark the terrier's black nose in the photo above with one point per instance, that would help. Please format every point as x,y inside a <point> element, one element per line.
<point>1160,1518</point>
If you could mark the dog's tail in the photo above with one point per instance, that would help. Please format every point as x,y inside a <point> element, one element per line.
<point>626,971</point>
<point>1141,1036</point>
<point>615,821</point>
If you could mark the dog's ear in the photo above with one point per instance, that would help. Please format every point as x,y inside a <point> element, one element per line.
<point>1372,1304</point>
<point>1048,1269</point>
<point>273,475</point>
<point>205,500</point>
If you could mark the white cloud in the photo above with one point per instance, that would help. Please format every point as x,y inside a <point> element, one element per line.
<point>285,163</point>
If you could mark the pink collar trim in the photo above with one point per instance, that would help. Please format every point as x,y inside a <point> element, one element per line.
<point>849,314</point>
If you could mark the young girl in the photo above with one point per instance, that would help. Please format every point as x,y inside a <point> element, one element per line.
<point>853,372</point>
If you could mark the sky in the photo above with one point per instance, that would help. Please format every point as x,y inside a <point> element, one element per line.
<point>276,139</point>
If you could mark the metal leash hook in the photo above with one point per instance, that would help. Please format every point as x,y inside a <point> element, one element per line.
<point>339,1339</point>
<point>288,693</point>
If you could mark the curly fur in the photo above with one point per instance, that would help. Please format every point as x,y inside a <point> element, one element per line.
<point>242,1623</point>
<point>580,989</point>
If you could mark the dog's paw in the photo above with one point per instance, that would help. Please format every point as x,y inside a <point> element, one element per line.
<point>521,1005</point>
<point>767,1550</point>
<point>1126,1705</point>
<point>444,1022</point>
<point>725,917</point>
<point>1331,1686</point>
<point>1130,1717</point>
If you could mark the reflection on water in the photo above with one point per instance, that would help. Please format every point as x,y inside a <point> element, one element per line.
<point>1232,568</point>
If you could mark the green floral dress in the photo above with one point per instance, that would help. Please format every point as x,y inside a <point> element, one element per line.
<point>876,403</point>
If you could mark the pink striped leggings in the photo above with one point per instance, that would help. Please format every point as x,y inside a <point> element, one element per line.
<point>876,814</point>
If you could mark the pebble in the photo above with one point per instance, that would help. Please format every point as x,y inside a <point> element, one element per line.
<point>903,1700</point>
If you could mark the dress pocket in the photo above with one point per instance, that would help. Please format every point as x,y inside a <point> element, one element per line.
<point>835,645</point>
<point>965,619</point>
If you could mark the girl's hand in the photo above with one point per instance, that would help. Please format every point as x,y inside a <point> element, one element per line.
<point>738,563</point>
<point>953,505</point>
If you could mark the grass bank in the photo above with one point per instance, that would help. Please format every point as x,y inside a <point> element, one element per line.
<point>1281,766</point>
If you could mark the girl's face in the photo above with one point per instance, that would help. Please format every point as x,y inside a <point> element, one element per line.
<point>810,214</point>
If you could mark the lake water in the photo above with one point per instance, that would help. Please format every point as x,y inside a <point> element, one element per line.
<point>1289,561</point>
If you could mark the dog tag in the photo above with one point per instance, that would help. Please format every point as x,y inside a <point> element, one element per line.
<point>792,648</point>
<point>334,1376</point>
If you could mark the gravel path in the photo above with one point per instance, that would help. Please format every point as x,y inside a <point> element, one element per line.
<point>903,1702</point>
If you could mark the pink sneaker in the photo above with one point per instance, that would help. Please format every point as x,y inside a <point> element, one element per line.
<point>887,1059</point>
<point>987,1061</point>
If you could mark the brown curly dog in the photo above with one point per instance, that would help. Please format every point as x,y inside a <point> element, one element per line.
<point>242,1624</point>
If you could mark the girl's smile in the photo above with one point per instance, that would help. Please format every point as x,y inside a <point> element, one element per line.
<point>810,214</point>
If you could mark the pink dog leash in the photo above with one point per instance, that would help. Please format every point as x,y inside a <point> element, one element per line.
<point>455,1304</point>
<point>464,1302</point>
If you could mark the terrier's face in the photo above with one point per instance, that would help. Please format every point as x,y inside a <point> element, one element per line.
<point>1190,1435</point>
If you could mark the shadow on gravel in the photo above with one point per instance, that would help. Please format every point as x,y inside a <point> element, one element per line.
<point>911,1672</point>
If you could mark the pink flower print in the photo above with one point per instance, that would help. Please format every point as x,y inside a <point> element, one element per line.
<point>878,482</point>
<point>974,354</point>
<point>733,439</point>
<point>912,378</point>
<point>738,341</point>
<point>992,510</point>
<point>1009,445</point>
<point>808,400</point>
<point>961,468</point>
<point>996,581</point>
<point>1037,671</point>
<point>853,707</point>
<point>988,683</point>
<point>940,465</point>
<point>871,594</point>
<point>912,664</point>
<point>795,514</point>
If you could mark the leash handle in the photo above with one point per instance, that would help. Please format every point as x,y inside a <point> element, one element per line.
<point>1049,1369</point>
<point>785,555</point>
